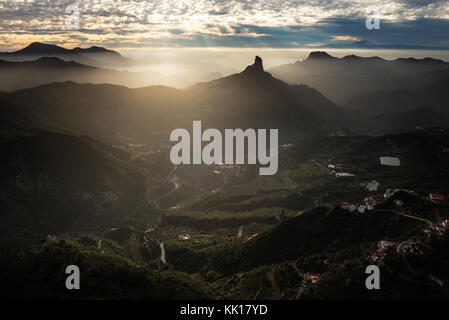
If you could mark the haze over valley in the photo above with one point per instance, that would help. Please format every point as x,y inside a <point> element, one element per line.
<point>86,171</point>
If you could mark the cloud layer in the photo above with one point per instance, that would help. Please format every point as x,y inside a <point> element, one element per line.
<point>236,23</point>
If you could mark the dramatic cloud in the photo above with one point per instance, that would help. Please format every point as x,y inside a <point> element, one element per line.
<point>235,23</point>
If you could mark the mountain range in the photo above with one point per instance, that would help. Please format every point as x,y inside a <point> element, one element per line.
<point>342,79</point>
<point>86,179</point>
<point>95,56</point>
<point>252,98</point>
<point>320,94</point>
<point>15,75</point>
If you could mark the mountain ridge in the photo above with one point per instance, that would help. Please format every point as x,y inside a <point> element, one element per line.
<point>342,78</point>
<point>46,48</point>
<point>94,55</point>
<point>18,75</point>
<point>250,99</point>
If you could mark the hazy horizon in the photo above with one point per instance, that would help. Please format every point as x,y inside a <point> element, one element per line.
<point>201,61</point>
<point>193,38</point>
<point>204,23</point>
<point>183,67</point>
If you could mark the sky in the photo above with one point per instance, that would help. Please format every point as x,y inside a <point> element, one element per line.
<point>139,24</point>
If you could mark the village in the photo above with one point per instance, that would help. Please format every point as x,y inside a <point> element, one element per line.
<point>375,197</point>
<point>396,201</point>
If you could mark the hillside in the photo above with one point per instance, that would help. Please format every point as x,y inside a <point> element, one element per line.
<point>424,90</point>
<point>270,236</point>
<point>342,78</point>
<point>255,99</point>
<point>53,181</point>
<point>95,56</point>
<point>105,276</point>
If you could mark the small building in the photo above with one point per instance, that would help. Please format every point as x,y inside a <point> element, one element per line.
<point>369,203</point>
<point>436,280</point>
<point>372,185</point>
<point>362,208</point>
<point>348,206</point>
<point>184,237</point>
<point>51,237</point>
<point>399,202</point>
<point>313,278</point>
<point>344,174</point>
<point>389,192</point>
<point>390,161</point>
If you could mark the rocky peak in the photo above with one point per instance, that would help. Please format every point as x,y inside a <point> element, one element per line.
<point>255,68</point>
<point>319,55</point>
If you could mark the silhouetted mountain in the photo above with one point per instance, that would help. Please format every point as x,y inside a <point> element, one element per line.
<point>114,114</point>
<point>319,55</point>
<point>255,99</point>
<point>95,56</point>
<point>256,68</point>
<point>373,45</point>
<point>95,49</point>
<point>250,99</point>
<point>44,49</point>
<point>342,78</point>
<point>212,76</point>
<point>37,48</point>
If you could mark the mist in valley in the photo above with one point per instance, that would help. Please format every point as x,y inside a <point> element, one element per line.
<point>174,67</point>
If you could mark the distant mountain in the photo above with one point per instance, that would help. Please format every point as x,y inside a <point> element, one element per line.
<point>95,56</point>
<point>342,78</point>
<point>111,113</point>
<point>36,48</point>
<point>250,99</point>
<point>26,74</point>
<point>372,45</point>
<point>254,98</point>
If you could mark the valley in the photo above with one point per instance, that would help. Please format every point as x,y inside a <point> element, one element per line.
<point>87,180</point>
